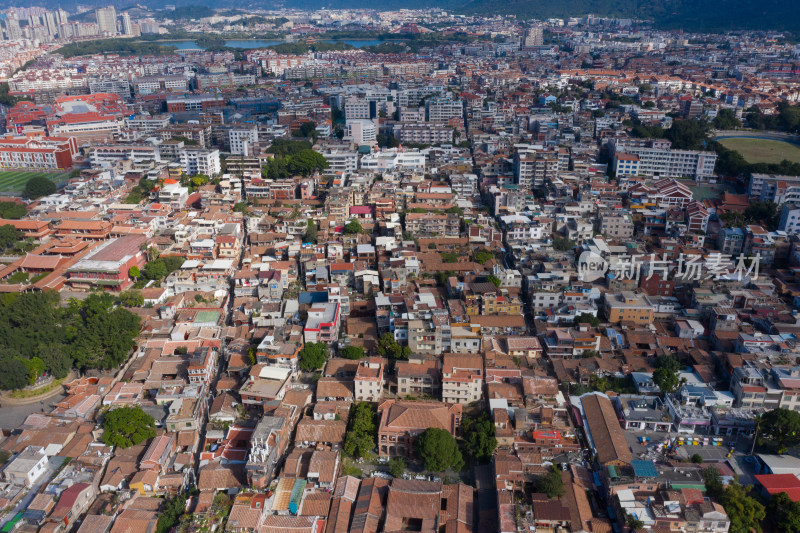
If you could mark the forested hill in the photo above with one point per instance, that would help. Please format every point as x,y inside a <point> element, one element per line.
<point>689,15</point>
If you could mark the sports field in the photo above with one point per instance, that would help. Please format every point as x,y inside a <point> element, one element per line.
<point>763,150</point>
<point>15,180</point>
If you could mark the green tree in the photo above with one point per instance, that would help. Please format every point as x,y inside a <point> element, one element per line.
<point>697,459</point>
<point>667,373</point>
<point>353,227</point>
<point>362,431</point>
<point>311,232</point>
<point>478,437</point>
<point>586,318</point>
<point>482,255</point>
<point>37,187</point>
<point>313,356</point>
<point>12,210</point>
<point>389,347</point>
<point>306,162</point>
<point>131,298</point>
<point>563,245</point>
<point>687,134</point>
<point>744,511</point>
<point>35,368</point>
<point>127,426</point>
<point>494,280</point>
<point>9,236</point>
<point>785,512</point>
<point>240,207</point>
<point>439,451</point>
<point>134,272</point>
<point>397,466</point>
<point>155,270</point>
<point>171,514</point>
<point>712,479</point>
<point>634,523</point>
<point>551,484</point>
<point>352,352</point>
<point>726,120</point>
<point>449,257</point>
<point>780,429</point>
<point>15,373</point>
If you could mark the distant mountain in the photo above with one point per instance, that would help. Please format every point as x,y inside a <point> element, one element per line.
<point>689,15</point>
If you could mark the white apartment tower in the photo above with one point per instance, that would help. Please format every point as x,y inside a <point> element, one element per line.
<point>107,19</point>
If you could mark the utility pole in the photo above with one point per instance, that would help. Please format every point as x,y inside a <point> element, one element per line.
<point>755,435</point>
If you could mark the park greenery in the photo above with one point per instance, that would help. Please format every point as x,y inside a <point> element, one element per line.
<point>124,427</point>
<point>695,135</point>
<point>123,47</point>
<point>39,335</point>
<point>313,356</point>
<point>439,451</point>
<point>361,433</point>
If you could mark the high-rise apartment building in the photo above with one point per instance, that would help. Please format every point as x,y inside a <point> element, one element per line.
<point>534,37</point>
<point>107,19</point>
<point>13,31</point>
<point>127,25</point>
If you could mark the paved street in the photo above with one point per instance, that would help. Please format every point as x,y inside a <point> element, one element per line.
<point>11,417</point>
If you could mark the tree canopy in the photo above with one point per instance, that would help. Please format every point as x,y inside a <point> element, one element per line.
<point>388,347</point>
<point>482,255</point>
<point>313,356</point>
<point>478,437</point>
<point>362,431</point>
<point>586,318</point>
<point>785,512</point>
<point>353,227</point>
<point>780,429</point>
<point>551,484</point>
<point>37,187</point>
<point>666,375</point>
<point>744,511</point>
<point>439,451</point>
<point>311,232</point>
<point>127,426</point>
<point>12,210</point>
<point>92,333</point>
<point>352,352</point>
<point>563,245</point>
